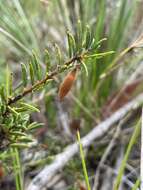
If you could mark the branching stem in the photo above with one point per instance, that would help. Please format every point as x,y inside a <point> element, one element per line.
<point>43,81</point>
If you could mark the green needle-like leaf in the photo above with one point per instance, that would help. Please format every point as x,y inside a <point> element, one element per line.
<point>36,66</point>
<point>29,107</point>
<point>85,67</point>
<point>34,125</point>
<point>47,60</point>
<point>87,37</point>
<point>71,44</point>
<point>99,55</point>
<point>31,70</point>
<point>24,75</point>
<point>58,54</point>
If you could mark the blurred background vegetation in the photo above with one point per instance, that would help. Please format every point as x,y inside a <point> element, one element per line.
<point>112,81</point>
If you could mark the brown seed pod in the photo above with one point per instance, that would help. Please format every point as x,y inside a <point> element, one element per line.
<point>67,84</point>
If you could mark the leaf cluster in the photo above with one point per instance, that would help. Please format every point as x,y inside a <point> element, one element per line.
<point>14,110</point>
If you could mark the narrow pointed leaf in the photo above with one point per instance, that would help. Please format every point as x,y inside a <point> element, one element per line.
<point>2,93</point>
<point>17,133</point>
<point>37,66</point>
<point>11,84</point>
<point>99,42</point>
<point>19,145</point>
<point>99,55</point>
<point>24,75</point>
<point>87,37</point>
<point>58,53</point>
<point>31,70</point>
<point>25,139</point>
<point>85,67</point>
<point>29,107</point>
<point>34,125</point>
<point>79,36</point>
<point>13,110</point>
<point>71,44</point>
<point>47,60</point>
<point>7,81</point>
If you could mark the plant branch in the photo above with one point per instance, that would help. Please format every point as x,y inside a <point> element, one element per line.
<point>43,81</point>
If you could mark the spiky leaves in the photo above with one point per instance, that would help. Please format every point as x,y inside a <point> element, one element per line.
<point>24,75</point>
<point>81,46</point>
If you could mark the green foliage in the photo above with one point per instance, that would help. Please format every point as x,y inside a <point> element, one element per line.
<point>47,60</point>
<point>24,74</point>
<point>15,111</point>
<point>94,48</point>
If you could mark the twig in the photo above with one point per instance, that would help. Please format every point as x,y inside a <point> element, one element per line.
<point>62,159</point>
<point>43,81</point>
<point>39,83</point>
